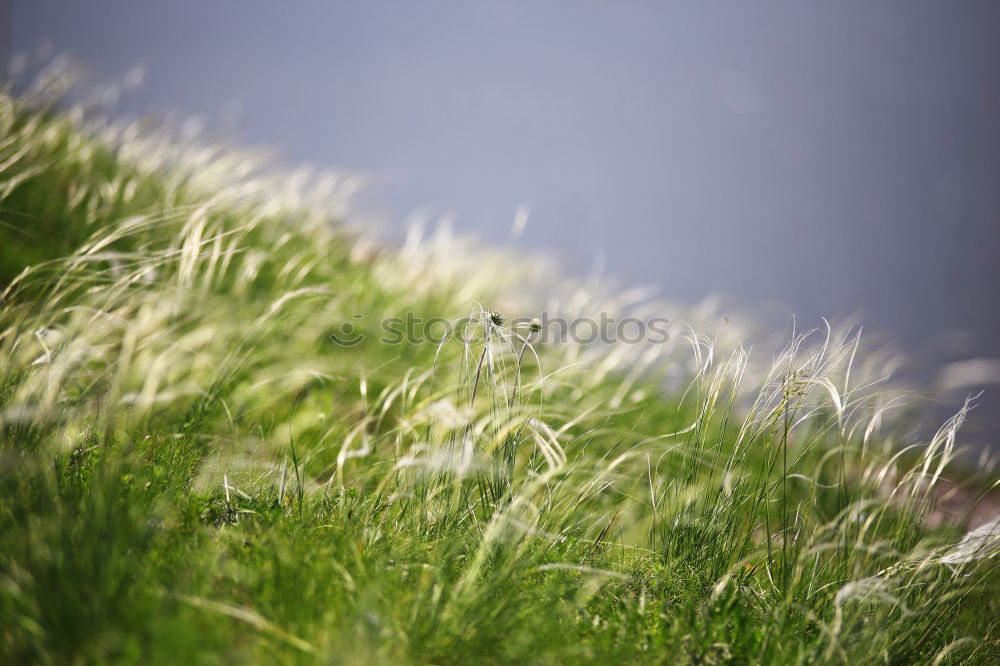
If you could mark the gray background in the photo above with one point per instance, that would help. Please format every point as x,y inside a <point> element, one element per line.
<point>831,157</point>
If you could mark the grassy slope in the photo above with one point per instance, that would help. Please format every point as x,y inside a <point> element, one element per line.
<point>192,470</point>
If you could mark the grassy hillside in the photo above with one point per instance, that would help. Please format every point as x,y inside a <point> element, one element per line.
<point>211,453</point>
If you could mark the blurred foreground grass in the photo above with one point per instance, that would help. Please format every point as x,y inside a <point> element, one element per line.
<point>193,471</point>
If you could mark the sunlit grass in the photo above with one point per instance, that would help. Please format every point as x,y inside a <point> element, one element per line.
<point>193,471</point>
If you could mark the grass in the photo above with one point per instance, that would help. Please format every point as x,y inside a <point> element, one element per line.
<point>194,472</point>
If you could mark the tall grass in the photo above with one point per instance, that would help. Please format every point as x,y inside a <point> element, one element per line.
<point>194,471</point>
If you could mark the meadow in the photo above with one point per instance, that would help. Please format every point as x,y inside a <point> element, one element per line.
<point>198,467</point>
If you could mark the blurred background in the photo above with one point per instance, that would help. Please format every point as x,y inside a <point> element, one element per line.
<point>815,158</point>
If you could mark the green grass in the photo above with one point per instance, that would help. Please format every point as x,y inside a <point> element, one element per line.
<point>192,470</point>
